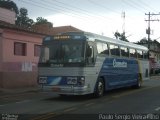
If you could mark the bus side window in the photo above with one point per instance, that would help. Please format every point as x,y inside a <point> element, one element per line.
<point>145,55</point>
<point>124,51</point>
<point>133,53</point>
<point>114,49</point>
<point>102,48</point>
<point>140,54</point>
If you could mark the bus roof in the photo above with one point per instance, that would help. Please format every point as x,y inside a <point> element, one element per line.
<point>96,37</point>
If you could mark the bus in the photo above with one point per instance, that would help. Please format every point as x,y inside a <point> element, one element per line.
<point>79,63</point>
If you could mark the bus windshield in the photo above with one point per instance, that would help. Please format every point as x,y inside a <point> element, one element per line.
<point>62,52</point>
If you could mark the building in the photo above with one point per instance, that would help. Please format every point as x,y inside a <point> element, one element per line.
<point>48,30</point>
<point>19,54</point>
<point>20,49</point>
<point>154,55</point>
<point>8,16</point>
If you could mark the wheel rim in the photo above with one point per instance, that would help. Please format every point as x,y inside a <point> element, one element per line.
<point>139,83</point>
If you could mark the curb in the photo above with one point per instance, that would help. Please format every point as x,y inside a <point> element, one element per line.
<point>155,77</point>
<point>19,90</point>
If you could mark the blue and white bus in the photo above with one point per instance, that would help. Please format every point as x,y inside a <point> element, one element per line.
<point>79,63</point>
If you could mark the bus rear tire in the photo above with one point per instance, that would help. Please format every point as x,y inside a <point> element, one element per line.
<point>99,92</point>
<point>139,82</point>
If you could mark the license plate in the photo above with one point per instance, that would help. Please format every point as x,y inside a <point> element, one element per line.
<point>42,80</point>
<point>56,89</point>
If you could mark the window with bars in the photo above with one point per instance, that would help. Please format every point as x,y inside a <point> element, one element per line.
<point>20,49</point>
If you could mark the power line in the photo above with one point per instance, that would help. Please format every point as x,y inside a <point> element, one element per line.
<point>63,8</point>
<point>101,6</point>
<point>94,21</point>
<point>62,11</point>
<point>151,8</point>
<point>140,5</point>
<point>82,11</point>
<point>43,6</point>
<point>133,6</point>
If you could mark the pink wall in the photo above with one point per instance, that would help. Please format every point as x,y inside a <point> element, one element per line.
<point>7,15</point>
<point>18,71</point>
<point>30,39</point>
<point>0,51</point>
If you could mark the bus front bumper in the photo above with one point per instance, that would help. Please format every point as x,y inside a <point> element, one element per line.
<point>69,90</point>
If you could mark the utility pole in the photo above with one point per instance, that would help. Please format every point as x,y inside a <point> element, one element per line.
<point>148,31</point>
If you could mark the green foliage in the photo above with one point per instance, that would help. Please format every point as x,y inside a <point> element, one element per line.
<point>8,4</point>
<point>143,41</point>
<point>41,20</point>
<point>23,20</point>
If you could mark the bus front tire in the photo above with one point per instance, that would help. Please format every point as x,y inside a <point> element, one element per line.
<point>99,92</point>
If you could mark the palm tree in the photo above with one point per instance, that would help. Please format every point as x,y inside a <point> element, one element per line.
<point>120,36</point>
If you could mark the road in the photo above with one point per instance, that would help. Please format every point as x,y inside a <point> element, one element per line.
<point>116,104</point>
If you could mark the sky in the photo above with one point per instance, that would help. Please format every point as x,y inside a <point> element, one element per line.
<point>103,17</point>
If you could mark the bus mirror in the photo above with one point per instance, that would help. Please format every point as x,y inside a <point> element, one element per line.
<point>89,51</point>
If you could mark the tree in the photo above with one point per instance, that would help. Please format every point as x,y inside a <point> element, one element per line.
<point>41,20</point>
<point>120,36</point>
<point>117,35</point>
<point>143,41</point>
<point>8,4</point>
<point>23,20</point>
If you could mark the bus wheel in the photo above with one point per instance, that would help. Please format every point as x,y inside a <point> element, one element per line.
<point>139,82</point>
<point>99,88</point>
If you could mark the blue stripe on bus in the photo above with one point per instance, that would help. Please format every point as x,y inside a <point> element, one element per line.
<point>56,80</point>
<point>119,72</point>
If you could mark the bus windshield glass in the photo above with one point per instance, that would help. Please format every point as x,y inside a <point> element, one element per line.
<point>62,52</point>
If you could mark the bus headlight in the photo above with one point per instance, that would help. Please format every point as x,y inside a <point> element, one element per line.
<point>75,80</point>
<point>81,81</point>
<point>72,80</point>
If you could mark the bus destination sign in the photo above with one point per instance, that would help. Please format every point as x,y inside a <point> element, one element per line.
<point>62,37</point>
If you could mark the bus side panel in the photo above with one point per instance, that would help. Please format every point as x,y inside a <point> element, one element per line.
<point>119,72</point>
